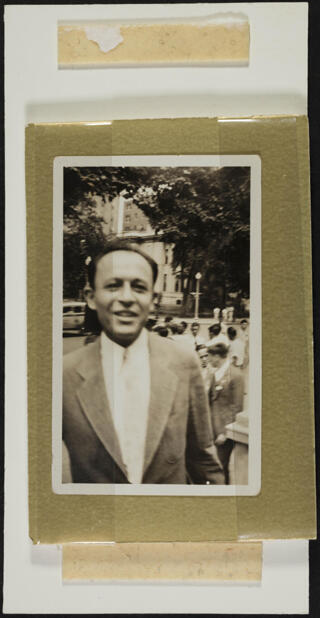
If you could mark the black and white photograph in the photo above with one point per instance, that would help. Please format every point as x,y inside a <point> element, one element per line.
<point>157,325</point>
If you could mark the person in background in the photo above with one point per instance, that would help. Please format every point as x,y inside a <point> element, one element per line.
<point>176,332</point>
<point>244,335</point>
<point>181,336</point>
<point>216,336</point>
<point>151,323</point>
<point>195,337</point>
<point>184,325</point>
<point>236,348</point>
<point>163,331</point>
<point>180,330</point>
<point>228,401</point>
<point>207,370</point>
<point>173,329</point>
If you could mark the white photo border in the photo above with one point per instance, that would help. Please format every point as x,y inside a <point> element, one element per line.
<point>255,366</point>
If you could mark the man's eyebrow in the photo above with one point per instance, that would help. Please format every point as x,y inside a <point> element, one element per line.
<point>137,280</point>
<point>116,279</point>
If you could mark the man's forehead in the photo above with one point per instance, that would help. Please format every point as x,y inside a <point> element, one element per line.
<point>124,262</point>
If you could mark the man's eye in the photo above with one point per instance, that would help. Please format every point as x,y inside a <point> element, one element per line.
<point>112,286</point>
<point>139,287</point>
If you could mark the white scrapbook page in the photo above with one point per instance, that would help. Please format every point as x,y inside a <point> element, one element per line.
<point>274,82</point>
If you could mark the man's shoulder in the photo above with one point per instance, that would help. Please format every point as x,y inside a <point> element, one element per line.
<point>75,358</point>
<point>174,350</point>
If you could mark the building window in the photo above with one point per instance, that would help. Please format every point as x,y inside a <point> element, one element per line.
<point>164,282</point>
<point>177,285</point>
<point>166,259</point>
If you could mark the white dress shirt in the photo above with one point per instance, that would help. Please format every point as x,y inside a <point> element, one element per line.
<point>221,371</point>
<point>237,349</point>
<point>127,380</point>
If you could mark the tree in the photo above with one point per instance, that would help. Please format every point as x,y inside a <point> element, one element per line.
<point>83,227</point>
<point>203,211</point>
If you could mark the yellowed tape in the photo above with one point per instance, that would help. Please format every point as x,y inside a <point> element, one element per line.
<point>163,561</point>
<point>174,43</point>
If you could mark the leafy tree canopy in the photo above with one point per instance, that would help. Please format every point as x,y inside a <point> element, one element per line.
<point>203,211</point>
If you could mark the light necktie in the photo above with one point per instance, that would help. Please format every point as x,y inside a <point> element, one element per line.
<point>134,423</point>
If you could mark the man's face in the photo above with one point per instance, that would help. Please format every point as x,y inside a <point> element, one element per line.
<point>123,295</point>
<point>215,360</point>
<point>203,355</point>
<point>195,329</point>
<point>243,325</point>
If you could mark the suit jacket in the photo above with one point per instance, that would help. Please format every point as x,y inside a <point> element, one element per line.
<point>211,394</point>
<point>179,438</point>
<point>227,400</point>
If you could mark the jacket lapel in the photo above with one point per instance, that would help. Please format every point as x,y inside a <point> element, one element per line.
<point>94,401</point>
<point>163,386</point>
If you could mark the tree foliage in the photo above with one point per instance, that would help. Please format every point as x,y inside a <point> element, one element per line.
<point>203,211</point>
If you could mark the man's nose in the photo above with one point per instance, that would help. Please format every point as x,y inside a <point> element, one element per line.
<point>126,295</point>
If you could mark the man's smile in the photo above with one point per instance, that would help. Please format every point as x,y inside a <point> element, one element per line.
<point>125,314</point>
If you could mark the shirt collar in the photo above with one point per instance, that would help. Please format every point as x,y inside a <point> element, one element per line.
<point>111,349</point>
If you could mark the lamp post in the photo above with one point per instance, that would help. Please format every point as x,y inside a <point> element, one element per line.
<point>197,295</point>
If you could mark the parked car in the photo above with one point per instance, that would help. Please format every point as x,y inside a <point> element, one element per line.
<point>73,316</point>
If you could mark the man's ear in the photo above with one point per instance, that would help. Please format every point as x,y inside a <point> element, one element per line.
<point>152,306</point>
<point>90,298</point>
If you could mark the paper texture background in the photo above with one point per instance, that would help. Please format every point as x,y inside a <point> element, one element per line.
<point>274,83</point>
<point>285,507</point>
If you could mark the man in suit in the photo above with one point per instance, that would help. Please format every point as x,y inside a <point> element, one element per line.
<point>207,370</point>
<point>134,406</point>
<point>228,401</point>
<point>208,376</point>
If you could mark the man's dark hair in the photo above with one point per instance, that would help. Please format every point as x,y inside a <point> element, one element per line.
<point>244,321</point>
<point>174,328</point>
<point>180,329</point>
<point>163,331</point>
<point>150,323</point>
<point>201,346</point>
<point>195,324</point>
<point>168,319</point>
<point>91,323</point>
<point>232,333</point>
<point>215,329</point>
<point>119,245</point>
<point>184,325</point>
<point>219,349</point>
